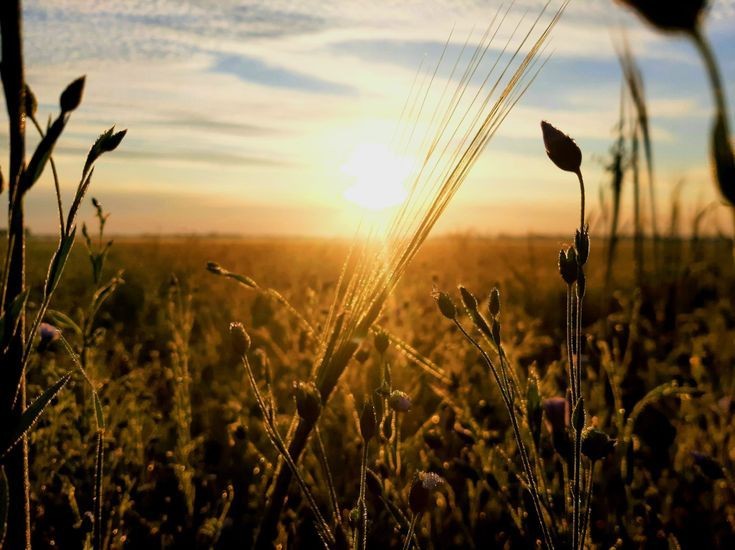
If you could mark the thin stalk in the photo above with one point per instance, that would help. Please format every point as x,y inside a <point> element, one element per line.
<point>322,528</point>
<point>322,456</point>
<point>57,185</point>
<point>362,503</point>
<point>528,470</point>
<point>411,529</point>
<point>588,504</point>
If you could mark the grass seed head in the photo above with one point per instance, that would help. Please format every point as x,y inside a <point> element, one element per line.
<point>561,149</point>
<point>468,299</point>
<point>568,268</point>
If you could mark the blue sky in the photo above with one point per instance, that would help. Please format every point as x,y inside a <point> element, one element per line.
<point>241,114</point>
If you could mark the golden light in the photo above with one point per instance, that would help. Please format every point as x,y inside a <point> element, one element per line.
<point>378,175</point>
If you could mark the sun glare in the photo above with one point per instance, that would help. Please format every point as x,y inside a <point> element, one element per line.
<point>378,177</point>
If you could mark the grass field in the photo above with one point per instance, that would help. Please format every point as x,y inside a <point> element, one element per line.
<point>187,459</point>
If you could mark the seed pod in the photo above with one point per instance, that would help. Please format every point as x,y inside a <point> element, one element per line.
<point>561,149</point>
<point>423,487</point>
<point>596,444</point>
<point>71,97</point>
<point>671,16</point>
<point>381,342</point>
<point>568,267</point>
<point>446,305</point>
<point>240,338</point>
<point>494,302</point>
<point>582,246</point>
<point>368,422</point>
<point>308,401</point>
<point>468,299</point>
<point>399,401</point>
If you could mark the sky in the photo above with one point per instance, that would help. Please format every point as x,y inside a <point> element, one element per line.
<point>276,118</point>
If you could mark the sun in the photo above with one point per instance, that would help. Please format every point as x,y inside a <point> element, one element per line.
<point>378,177</point>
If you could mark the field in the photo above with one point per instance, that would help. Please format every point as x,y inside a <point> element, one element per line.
<point>186,458</point>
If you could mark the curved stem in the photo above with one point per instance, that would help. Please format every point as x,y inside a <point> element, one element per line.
<point>57,185</point>
<point>582,200</point>
<point>713,71</point>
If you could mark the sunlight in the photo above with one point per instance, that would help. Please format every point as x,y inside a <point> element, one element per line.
<point>378,177</point>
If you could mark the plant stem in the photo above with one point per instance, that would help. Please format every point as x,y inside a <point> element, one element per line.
<point>411,529</point>
<point>362,504</point>
<point>16,466</point>
<point>322,456</point>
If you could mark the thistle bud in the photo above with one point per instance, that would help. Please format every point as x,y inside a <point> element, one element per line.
<point>561,149</point>
<point>362,355</point>
<point>240,339</point>
<point>494,302</point>
<point>468,299</point>
<point>381,342</point>
<point>71,97</point>
<point>368,422</point>
<point>568,268</point>
<point>308,401</point>
<point>399,401</point>
<point>596,444</point>
<point>582,246</point>
<point>423,487</point>
<point>446,305</point>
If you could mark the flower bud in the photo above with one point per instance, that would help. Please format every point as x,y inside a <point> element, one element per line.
<point>423,487</point>
<point>368,422</point>
<point>568,268</point>
<point>582,246</point>
<point>672,16</point>
<point>468,299</point>
<point>446,305</point>
<point>381,342</point>
<point>399,401</point>
<point>596,444</point>
<point>240,339</point>
<point>494,302</point>
<point>581,283</point>
<point>71,97</point>
<point>561,149</point>
<point>48,333</point>
<point>579,416</point>
<point>31,103</point>
<point>308,401</point>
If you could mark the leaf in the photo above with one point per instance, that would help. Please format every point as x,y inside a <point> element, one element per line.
<point>59,261</point>
<point>4,504</point>
<point>9,319</point>
<point>33,412</point>
<point>43,153</point>
<point>724,159</point>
